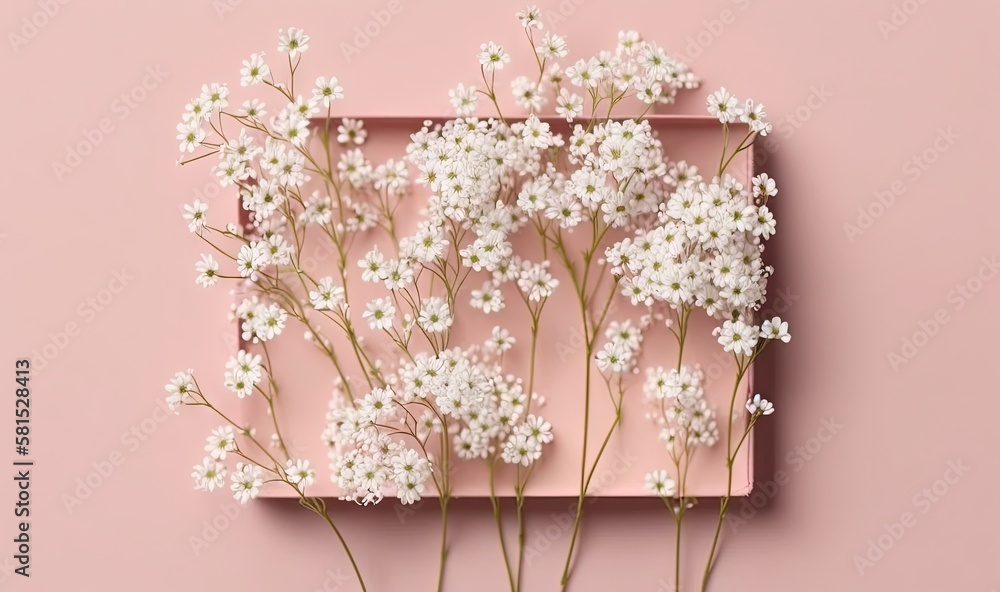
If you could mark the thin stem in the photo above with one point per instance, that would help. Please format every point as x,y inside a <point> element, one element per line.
<point>343,543</point>
<point>444,540</point>
<point>495,502</point>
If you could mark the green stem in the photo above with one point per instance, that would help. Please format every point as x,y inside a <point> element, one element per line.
<point>444,540</point>
<point>730,460</point>
<point>495,502</point>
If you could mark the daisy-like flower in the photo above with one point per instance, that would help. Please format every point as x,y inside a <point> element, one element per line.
<point>500,340</point>
<point>723,105</point>
<point>270,323</point>
<point>293,42</point>
<point>760,405</point>
<point>530,17</point>
<point>221,442</point>
<point>209,474</point>
<point>240,385</point>
<point>254,70</point>
<point>180,389</point>
<point>298,473</point>
<point>215,96</point>
<point>379,313</point>
<point>764,186</point>
<point>488,299</point>
<point>247,366</point>
<point>519,449</point>
<point>737,337</point>
<point>775,329</point>
<point>628,42</point>
<point>615,357</point>
<point>251,259</point>
<point>190,135</point>
<point>207,269</point>
<point>753,115</point>
<point>247,481</point>
<point>569,105</point>
<point>539,429</point>
<point>435,315</point>
<point>195,215</point>
<point>765,223</point>
<point>326,296</point>
<point>351,131</point>
<point>253,108</point>
<point>463,100</point>
<point>492,57</point>
<point>327,91</point>
<point>660,483</point>
<point>552,46</point>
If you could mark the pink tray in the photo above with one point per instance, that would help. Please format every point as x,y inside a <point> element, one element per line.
<point>632,452</point>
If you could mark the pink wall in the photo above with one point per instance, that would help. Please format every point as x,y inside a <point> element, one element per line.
<point>861,110</point>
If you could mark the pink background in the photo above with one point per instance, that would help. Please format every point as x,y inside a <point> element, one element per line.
<point>859,443</point>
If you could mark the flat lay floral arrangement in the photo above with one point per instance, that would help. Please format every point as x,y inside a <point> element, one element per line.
<point>514,207</point>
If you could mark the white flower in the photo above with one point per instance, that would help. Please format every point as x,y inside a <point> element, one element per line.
<point>660,483</point>
<point>379,313</point>
<point>530,17</point>
<point>298,473</point>
<point>552,46</point>
<point>327,91</point>
<point>723,105</point>
<point>215,96</point>
<point>254,70</point>
<point>251,259</point>
<point>520,449</point>
<point>247,482</point>
<point>537,428</point>
<point>775,329</point>
<point>569,105</point>
<point>326,296</point>
<point>207,270</point>
<point>351,131</point>
<point>500,340</point>
<point>488,299</point>
<point>246,366</point>
<point>209,474</point>
<point>180,389</point>
<point>765,224</point>
<point>760,405</point>
<point>753,115</point>
<point>190,135</point>
<point>294,42</point>
<point>242,386</point>
<point>220,442</point>
<point>615,357</point>
<point>435,315</point>
<point>737,337</point>
<point>270,322</point>
<point>195,215</point>
<point>253,108</point>
<point>764,185</point>
<point>492,57</point>
<point>536,133</point>
<point>464,100</point>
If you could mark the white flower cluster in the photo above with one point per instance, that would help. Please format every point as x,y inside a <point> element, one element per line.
<point>482,409</point>
<point>705,251</point>
<point>688,419</point>
<point>636,68</point>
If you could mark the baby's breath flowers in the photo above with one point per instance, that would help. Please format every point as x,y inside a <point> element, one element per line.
<point>397,427</point>
<point>703,250</point>
<point>607,207</point>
